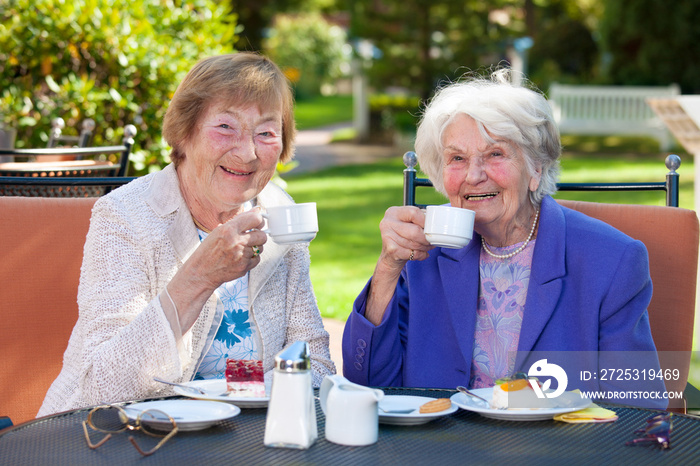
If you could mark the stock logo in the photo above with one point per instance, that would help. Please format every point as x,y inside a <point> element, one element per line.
<point>542,369</point>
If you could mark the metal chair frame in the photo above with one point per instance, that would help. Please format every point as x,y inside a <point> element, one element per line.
<point>670,186</point>
<point>56,137</point>
<point>63,181</point>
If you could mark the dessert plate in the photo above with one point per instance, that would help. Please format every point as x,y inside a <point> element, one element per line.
<point>566,403</point>
<point>188,414</point>
<point>219,386</point>
<point>404,402</point>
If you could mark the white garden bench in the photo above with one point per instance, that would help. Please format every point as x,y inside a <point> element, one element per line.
<point>608,110</point>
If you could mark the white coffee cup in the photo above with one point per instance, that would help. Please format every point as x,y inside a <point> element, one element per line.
<point>449,227</point>
<point>294,223</point>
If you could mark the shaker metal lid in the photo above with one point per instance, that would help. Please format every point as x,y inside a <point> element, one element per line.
<point>294,358</point>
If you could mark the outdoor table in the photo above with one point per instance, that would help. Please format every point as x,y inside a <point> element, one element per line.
<point>56,170</point>
<point>460,438</point>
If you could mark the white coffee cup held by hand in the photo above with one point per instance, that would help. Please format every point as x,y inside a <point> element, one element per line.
<point>294,223</point>
<point>449,227</point>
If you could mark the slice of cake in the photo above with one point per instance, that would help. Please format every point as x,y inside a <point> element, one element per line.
<point>516,394</point>
<point>245,377</point>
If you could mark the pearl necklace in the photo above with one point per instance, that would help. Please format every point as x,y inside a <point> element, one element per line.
<point>517,251</point>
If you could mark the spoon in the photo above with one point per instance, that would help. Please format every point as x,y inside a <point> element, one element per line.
<point>190,387</point>
<point>467,392</point>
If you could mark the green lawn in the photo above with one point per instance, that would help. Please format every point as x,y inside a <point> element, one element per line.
<point>322,111</point>
<point>351,202</point>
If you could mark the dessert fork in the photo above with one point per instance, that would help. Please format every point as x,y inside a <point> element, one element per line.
<point>474,395</point>
<point>189,387</point>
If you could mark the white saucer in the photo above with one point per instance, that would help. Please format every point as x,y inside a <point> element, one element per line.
<point>568,402</point>
<point>293,238</point>
<point>413,418</point>
<point>219,386</point>
<point>447,241</point>
<point>188,414</point>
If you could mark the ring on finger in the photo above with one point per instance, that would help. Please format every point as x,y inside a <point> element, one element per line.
<point>411,256</point>
<point>256,251</point>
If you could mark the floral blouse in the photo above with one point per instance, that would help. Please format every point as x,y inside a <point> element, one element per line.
<point>237,336</point>
<point>502,294</point>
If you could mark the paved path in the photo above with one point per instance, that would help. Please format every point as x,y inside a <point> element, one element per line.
<point>314,150</point>
<point>335,329</point>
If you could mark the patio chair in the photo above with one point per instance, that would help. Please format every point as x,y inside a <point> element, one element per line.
<point>16,174</point>
<point>673,262</point>
<point>41,252</point>
<point>58,139</point>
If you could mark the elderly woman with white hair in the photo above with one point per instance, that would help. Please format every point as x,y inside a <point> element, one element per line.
<point>535,277</point>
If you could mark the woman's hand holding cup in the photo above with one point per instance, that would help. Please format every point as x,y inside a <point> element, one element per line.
<point>225,254</point>
<point>403,238</point>
<point>409,233</point>
<point>233,248</point>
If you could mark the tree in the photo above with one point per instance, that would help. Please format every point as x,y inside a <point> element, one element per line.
<point>115,61</point>
<point>653,42</point>
<point>423,42</point>
<point>255,17</point>
<point>564,47</point>
<point>309,49</point>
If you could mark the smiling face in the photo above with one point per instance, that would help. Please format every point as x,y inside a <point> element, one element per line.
<point>490,178</point>
<point>229,159</point>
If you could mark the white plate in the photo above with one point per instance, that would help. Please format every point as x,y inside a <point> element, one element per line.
<point>405,402</point>
<point>188,414</point>
<point>567,403</point>
<point>219,386</point>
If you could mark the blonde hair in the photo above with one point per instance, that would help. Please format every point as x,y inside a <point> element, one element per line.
<point>240,78</point>
<point>518,114</point>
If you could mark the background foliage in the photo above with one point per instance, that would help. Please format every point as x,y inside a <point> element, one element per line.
<point>310,49</point>
<point>421,42</point>
<point>653,42</point>
<point>255,17</point>
<point>117,62</point>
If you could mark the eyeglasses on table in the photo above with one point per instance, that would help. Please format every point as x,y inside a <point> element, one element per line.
<point>110,419</point>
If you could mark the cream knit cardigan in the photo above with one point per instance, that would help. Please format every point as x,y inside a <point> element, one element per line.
<point>139,236</point>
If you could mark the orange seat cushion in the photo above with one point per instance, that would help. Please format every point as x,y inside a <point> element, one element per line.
<point>671,237</point>
<point>41,252</point>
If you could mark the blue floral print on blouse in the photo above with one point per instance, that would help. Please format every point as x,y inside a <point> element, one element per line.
<point>236,336</point>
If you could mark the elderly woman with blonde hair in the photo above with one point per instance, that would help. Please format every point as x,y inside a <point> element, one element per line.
<point>177,275</point>
<point>535,277</point>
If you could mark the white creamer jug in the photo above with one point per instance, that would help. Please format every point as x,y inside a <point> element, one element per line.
<point>291,413</point>
<point>352,417</point>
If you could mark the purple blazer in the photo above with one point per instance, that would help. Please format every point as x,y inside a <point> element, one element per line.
<point>589,291</point>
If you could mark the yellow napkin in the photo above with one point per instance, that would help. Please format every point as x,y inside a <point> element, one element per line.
<point>593,413</point>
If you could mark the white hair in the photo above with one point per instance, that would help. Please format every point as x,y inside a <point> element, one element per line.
<point>502,110</point>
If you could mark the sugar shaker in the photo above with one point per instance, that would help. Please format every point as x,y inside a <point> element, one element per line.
<point>291,412</point>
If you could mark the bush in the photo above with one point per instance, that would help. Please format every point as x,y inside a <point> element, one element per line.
<point>310,50</point>
<point>115,61</point>
<point>390,114</point>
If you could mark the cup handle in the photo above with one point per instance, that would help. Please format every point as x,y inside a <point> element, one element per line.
<point>266,217</point>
